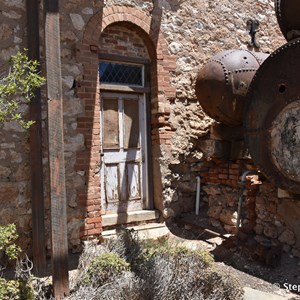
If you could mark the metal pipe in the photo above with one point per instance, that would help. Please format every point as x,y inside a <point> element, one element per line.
<point>198,195</point>
<point>247,173</point>
<point>242,183</point>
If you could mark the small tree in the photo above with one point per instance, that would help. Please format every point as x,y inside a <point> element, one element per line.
<point>19,87</point>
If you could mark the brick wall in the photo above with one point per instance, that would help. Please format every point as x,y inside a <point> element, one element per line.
<point>121,31</point>
<point>121,41</point>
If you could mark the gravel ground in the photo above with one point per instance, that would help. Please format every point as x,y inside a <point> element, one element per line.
<point>239,260</point>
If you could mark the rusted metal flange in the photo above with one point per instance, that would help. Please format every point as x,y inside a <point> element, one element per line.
<point>288,16</point>
<point>272,117</point>
<point>222,84</point>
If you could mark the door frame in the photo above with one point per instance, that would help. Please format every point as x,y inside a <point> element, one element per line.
<point>145,148</point>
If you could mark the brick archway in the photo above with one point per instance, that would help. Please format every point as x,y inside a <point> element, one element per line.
<point>131,15</point>
<point>162,64</point>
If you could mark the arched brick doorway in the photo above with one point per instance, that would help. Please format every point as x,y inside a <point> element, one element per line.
<point>160,64</point>
<point>125,124</point>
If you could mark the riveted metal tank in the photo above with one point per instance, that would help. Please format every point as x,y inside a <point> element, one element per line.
<point>272,117</point>
<point>222,84</point>
<point>288,16</point>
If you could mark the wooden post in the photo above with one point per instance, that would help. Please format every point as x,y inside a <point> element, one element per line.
<point>36,153</point>
<point>56,152</point>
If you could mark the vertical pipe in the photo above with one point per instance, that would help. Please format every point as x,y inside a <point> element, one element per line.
<point>198,195</point>
<point>36,153</point>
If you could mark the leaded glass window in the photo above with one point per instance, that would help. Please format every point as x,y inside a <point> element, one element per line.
<point>121,73</point>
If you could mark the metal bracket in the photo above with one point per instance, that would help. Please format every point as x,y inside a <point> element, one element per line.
<point>252,27</point>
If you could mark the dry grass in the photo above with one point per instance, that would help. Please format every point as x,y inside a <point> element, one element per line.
<point>149,271</point>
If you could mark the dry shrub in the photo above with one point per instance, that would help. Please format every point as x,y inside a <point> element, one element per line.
<point>152,271</point>
<point>124,287</point>
<point>186,275</point>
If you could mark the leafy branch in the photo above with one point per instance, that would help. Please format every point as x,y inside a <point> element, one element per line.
<point>19,87</point>
<point>8,236</point>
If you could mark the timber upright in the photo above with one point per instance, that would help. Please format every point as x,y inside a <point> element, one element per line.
<point>56,152</point>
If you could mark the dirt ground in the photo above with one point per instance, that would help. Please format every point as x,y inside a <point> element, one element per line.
<point>247,261</point>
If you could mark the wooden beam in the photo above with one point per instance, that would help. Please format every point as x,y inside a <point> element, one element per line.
<point>118,58</point>
<point>59,240</point>
<point>36,153</point>
<point>123,88</point>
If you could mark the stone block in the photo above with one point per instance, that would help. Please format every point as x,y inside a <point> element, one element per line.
<point>228,217</point>
<point>270,231</point>
<point>283,194</point>
<point>74,143</point>
<point>215,148</point>
<point>4,172</point>
<point>214,212</point>
<point>287,237</point>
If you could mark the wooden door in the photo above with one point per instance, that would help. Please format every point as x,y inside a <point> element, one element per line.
<point>123,155</point>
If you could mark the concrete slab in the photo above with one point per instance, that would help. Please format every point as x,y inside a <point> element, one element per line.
<point>146,231</point>
<point>252,294</point>
<point>129,217</point>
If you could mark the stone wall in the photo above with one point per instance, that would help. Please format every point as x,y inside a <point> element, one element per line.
<point>184,141</point>
<point>15,190</point>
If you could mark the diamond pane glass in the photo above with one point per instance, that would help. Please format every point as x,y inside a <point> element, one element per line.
<point>117,73</point>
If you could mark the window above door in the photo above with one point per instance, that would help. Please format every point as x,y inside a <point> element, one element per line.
<point>124,74</point>
<point>121,73</point>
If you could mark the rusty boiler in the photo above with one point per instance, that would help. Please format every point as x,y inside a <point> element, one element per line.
<point>272,117</point>
<point>287,12</point>
<point>222,84</point>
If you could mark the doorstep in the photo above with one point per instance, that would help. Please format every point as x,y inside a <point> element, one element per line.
<point>129,217</point>
<point>145,231</point>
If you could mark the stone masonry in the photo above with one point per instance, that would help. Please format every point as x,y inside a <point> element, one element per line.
<point>178,37</point>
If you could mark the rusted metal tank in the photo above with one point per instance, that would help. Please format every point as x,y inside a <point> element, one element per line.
<point>287,12</point>
<point>272,117</point>
<point>222,84</point>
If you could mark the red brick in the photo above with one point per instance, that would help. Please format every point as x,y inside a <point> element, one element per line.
<point>87,227</point>
<point>94,231</point>
<point>94,220</point>
<point>94,214</point>
<point>83,233</point>
<point>98,225</point>
<point>234,171</point>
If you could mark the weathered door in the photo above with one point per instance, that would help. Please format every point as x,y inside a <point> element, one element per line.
<point>123,156</point>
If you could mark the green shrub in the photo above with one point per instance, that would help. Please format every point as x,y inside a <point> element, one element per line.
<point>18,87</point>
<point>20,288</point>
<point>8,237</point>
<point>15,289</point>
<point>104,268</point>
<point>165,249</point>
